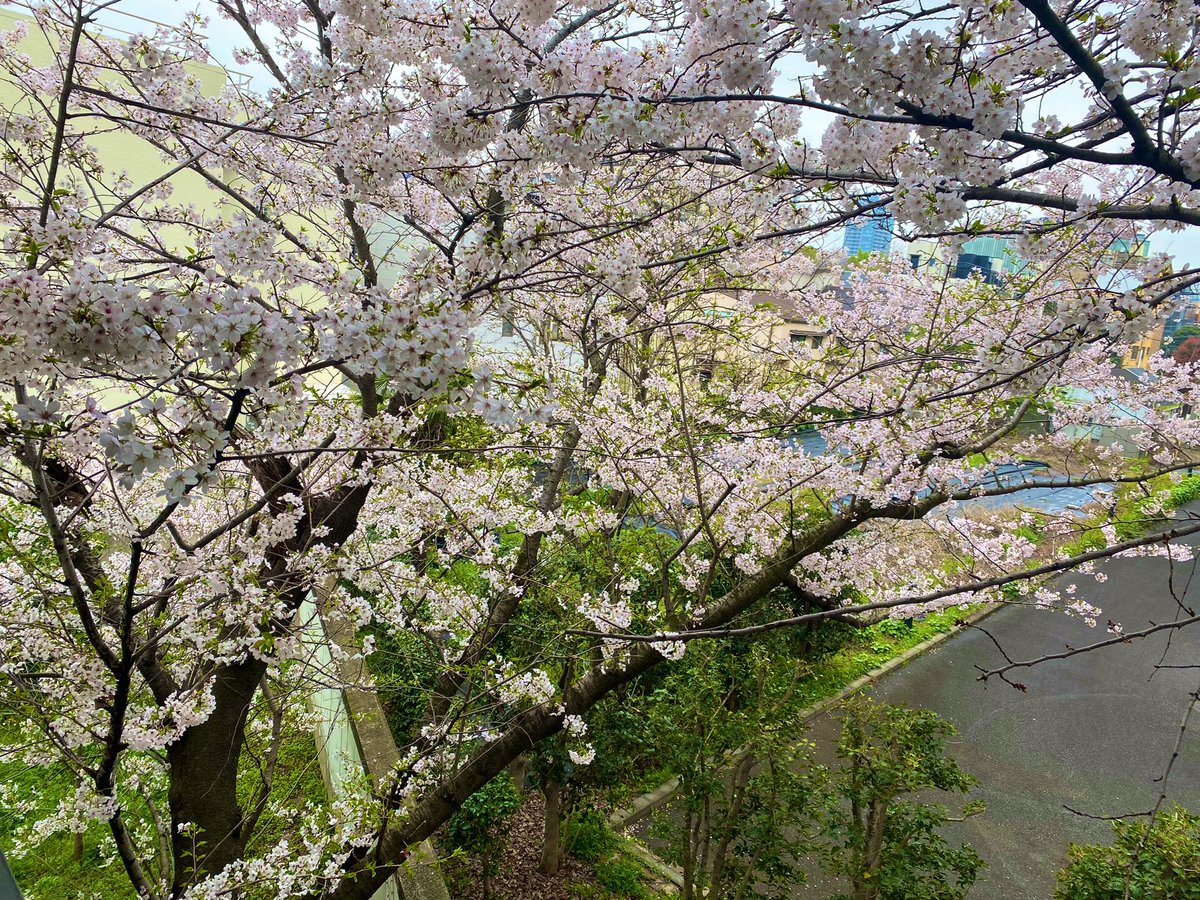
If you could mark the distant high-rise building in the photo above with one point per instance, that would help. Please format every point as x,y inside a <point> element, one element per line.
<point>1122,250</point>
<point>1185,311</point>
<point>871,232</point>
<point>991,256</point>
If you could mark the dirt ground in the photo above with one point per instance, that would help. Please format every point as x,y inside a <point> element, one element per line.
<point>519,878</point>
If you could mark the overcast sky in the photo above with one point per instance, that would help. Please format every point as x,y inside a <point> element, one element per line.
<point>224,37</point>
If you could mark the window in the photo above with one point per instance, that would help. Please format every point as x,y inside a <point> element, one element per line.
<point>818,340</point>
<point>797,337</point>
<point>915,259</point>
<point>506,327</point>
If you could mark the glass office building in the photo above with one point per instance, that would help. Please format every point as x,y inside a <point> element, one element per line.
<point>869,233</point>
<point>990,256</point>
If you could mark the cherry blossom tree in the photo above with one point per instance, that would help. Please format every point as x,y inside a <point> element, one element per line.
<point>216,412</point>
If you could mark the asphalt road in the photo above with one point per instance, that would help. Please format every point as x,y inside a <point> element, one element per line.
<point>1093,732</point>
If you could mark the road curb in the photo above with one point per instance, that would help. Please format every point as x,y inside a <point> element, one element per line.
<point>669,877</point>
<point>643,805</point>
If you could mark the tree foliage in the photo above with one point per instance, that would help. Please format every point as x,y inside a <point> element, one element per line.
<point>1176,340</point>
<point>1160,860</point>
<point>882,839</point>
<point>1188,350</point>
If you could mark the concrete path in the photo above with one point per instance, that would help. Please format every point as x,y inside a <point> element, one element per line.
<point>1093,732</point>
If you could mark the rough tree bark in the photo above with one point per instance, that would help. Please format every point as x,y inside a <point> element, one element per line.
<point>552,834</point>
<point>203,779</point>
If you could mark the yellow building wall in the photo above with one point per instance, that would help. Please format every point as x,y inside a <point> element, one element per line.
<point>116,150</point>
<point>1144,350</point>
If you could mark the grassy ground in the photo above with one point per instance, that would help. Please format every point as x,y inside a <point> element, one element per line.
<point>50,871</point>
<point>1135,514</point>
<point>868,648</point>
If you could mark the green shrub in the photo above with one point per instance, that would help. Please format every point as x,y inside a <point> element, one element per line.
<point>1028,532</point>
<point>1164,865</point>
<point>405,667</point>
<point>895,628</point>
<point>455,867</point>
<point>589,839</point>
<point>1185,492</point>
<point>622,877</point>
<point>479,825</point>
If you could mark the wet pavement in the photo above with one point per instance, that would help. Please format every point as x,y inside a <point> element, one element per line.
<point>1072,500</point>
<point>1093,732</point>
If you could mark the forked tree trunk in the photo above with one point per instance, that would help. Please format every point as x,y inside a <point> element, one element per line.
<point>730,826</point>
<point>866,887</point>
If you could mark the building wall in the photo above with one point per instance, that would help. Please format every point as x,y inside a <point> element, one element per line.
<point>1123,250</point>
<point>870,233</point>
<point>926,255</point>
<point>116,150</point>
<point>1138,354</point>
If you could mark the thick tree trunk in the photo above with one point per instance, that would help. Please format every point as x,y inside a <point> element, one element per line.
<point>551,835</point>
<point>203,786</point>
<point>518,769</point>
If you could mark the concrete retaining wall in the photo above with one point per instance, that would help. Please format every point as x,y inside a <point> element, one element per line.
<point>353,737</point>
